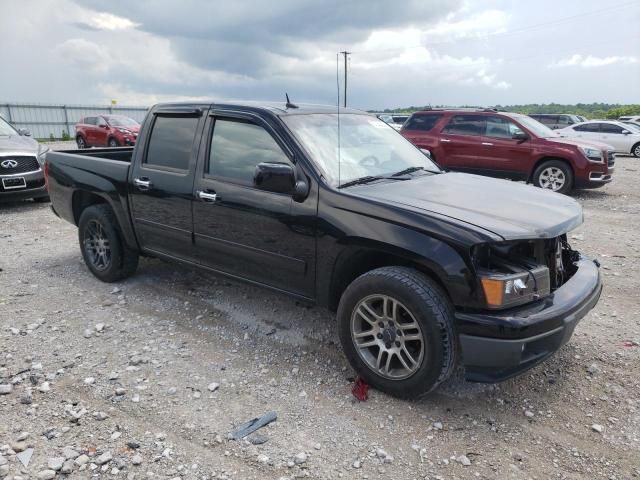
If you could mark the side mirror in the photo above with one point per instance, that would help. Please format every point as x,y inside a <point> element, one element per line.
<point>520,136</point>
<point>103,125</point>
<point>626,132</point>
<point>427,153</point>
<point>275,177</point>
<point>25,132</point>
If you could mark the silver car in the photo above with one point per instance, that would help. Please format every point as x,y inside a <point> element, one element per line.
<point>21,159</point>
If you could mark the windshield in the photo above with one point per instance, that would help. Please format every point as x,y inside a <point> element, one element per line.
<point>6,129</point>
<point>534,126</point>
<point>366,146</point>
<point>632,127</point>
<point>122,122</point>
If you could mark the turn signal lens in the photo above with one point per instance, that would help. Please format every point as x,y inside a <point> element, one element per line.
<point>493,291</point>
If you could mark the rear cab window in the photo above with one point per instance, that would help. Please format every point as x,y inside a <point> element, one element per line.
<point>422,122</point>
<point>171,142</point>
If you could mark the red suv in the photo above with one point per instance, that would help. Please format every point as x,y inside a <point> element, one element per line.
<point>509,145</point>
<point>106,131</point>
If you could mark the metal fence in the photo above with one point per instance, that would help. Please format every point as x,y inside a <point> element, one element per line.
<point>48,121</point>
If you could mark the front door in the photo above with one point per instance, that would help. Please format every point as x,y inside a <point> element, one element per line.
<point>241,230</point>
<point>504,156</point>
<point>101,132</point>
<point>161,192</point>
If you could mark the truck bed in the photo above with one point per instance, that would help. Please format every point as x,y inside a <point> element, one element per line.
<point>92,175</point>
<point>121,154</point>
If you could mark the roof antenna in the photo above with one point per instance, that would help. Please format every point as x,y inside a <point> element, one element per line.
<point>289,104</point>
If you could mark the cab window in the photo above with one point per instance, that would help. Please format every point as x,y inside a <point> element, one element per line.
<point>237,147</point>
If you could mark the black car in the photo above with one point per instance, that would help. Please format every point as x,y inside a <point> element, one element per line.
<point>21,160</point>
<point>426,269</point>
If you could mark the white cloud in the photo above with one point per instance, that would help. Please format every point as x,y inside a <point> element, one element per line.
<point>488,22</point>
<point>590,61</point>
<point>108,21</point>
<point>84,54</point>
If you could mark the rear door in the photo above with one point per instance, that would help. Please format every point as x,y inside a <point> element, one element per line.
<point>589,131</point>
<point>243,231</point>
<point>460,142</point>
<point>503,156</point>
<point>161,191</point>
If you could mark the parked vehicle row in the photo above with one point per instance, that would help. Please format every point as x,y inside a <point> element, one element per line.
<point>395,120</point>
<point>624,138</point>
<point>427,269</point>
<point>510,145</point>
<point>557,120</point>
<point>21,159</point>
<point>106,131</point>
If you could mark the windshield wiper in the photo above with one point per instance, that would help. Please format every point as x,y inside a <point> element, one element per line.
<point>407,171</point>
<point>368,179</point>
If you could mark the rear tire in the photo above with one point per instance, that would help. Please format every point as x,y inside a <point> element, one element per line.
<point>635,150</point>
<point>554,175</point>
<point>102,245</point>
<point>407,346</point>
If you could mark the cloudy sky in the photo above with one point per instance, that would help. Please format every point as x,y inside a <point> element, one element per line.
<point>413,52</point>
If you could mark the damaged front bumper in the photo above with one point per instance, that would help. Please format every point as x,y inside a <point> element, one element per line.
<point>497,345</point>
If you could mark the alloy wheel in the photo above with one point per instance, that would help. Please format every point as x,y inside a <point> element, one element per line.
<point>387,337</point>
<point>96,245</point>
<point>552,178</point>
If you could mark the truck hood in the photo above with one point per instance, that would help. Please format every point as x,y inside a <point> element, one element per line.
<point>17,144</point>
<point>508,209</point>
<point>580,142</point>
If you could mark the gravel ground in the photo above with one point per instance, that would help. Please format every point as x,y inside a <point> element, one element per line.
<point>146,378</point>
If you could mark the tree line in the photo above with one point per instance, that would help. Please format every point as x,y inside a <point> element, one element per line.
<point>588,110</point>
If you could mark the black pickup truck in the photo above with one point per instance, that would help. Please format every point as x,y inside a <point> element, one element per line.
<point>427,270</point>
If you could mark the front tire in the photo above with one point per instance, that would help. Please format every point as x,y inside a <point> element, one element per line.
<point>113,143</point>
<point>635,150</point>
<point>554,175</point>
<point>396,328</point>
<point>102,245</point>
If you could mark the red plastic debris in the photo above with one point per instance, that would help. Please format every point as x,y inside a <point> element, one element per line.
<point>360,390</point>
<point>629,343</point>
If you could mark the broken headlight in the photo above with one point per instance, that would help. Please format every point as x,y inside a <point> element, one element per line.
<point>508,289</point>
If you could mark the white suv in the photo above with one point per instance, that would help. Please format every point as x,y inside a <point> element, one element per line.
<point>623,137</point>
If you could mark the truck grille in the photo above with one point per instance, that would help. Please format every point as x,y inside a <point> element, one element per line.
<point>13,164</point>
<point>611,159</point>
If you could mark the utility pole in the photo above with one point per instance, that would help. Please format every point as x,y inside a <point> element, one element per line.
<point>346,54</point>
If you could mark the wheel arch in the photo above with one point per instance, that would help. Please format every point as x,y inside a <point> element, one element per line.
<point>83,199</point>
<point>548,158</point>
<point>445,267</point>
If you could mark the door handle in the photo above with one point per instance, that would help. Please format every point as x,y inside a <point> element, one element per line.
<point>143,184</point>
<point>445,140</point>
<point>207,197</point>
<point>488,144</point>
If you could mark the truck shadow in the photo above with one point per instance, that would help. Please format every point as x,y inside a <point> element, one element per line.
<point>23,206</point>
